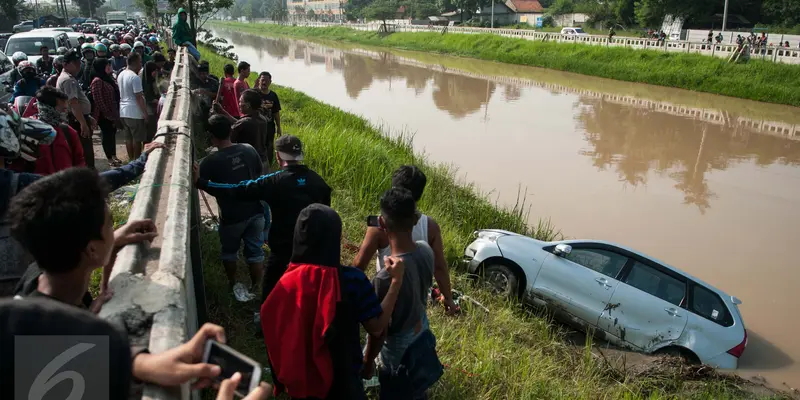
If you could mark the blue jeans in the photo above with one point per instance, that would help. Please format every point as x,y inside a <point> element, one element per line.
<point>251,232</point>
<point>192,50</point>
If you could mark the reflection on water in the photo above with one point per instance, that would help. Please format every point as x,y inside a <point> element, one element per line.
<point>632,136</point>
<point>707,183</point>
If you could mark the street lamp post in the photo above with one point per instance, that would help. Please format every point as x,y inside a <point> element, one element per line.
<point>492,14</point>
<point>725,16</point>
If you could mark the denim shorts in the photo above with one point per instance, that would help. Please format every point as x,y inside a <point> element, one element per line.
<point>251,232</point>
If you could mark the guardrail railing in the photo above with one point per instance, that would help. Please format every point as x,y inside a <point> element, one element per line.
<point>767,53</point>
<point>158,288</point>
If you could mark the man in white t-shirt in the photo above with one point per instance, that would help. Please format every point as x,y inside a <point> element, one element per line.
<point>132,106</point>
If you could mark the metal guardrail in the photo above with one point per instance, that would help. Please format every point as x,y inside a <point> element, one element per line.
<point>770,53</point>
<point>159,297</point>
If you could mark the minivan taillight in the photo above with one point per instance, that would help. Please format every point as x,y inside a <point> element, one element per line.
<point>739,349</point>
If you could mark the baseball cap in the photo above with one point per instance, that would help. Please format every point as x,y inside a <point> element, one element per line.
<point>290,148</point>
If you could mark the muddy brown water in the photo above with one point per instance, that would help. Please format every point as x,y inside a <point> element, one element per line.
<point>706,183</point>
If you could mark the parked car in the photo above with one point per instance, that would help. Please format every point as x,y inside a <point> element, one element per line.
<point>573,31</point>
<point>630,299</point>
<point>30,43</point>
<point>23,26</point>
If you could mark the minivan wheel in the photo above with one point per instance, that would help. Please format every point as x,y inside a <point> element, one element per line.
<point>501,280</point>
<point>685,355</point>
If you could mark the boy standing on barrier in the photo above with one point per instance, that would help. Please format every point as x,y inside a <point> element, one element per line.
<point>408,361</point>
<point>287,192</point>
<point>240,221</point>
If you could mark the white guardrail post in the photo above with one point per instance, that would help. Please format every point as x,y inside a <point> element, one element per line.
<point>154,285</point>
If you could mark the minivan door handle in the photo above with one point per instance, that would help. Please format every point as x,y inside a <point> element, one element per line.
<point>673,312</point>
<point>603,281</point>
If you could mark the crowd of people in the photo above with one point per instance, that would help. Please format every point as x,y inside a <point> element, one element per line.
<point>56,215</point>
<point>113,83</point>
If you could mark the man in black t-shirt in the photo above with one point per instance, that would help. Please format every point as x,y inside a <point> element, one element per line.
<point>251,128</point>
<point>239,220</point>
<point>271,106</point>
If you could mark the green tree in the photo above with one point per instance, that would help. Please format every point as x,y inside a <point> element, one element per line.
<point>247,10</point>
<point>782,12</point>
<point>311,15</point>
<point>354,9</point>
<point>561,7</point>
<point>382,10</point>
<point>422,9</point>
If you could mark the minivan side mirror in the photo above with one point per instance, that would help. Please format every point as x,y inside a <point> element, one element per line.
<point>562,250</point>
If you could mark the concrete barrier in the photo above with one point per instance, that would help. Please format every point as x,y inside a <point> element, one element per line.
<point>158,289</point>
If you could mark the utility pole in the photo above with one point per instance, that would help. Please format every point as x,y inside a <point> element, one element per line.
<point>493,14</point>
<point>725,16</point>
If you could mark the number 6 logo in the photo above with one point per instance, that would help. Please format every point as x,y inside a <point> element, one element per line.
<point>46,380</point>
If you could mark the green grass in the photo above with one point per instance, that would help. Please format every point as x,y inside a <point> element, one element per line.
<point>756,80</point>
<point>508,353</point>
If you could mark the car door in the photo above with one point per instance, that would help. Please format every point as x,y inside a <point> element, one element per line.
<point>581,282</point>
<point>647,308</point>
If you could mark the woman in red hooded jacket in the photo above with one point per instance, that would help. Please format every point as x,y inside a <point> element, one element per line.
<point>66,151</point>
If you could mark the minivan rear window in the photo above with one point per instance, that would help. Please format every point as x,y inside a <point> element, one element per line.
<point>709,305</point>
<point>30,45</point>
<point>657,283</point>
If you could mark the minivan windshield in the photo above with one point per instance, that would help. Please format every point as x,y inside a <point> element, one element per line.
<point>579,30</point>
<point>30,45</point>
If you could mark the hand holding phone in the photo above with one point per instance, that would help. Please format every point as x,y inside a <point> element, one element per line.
<point>232,362</point>
<point>373,221</point>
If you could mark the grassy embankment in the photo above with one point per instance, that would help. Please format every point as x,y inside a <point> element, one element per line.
<point>756,80</point>
<point>508,353</point>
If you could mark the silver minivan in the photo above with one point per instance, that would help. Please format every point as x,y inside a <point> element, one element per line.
<point>633,300</point>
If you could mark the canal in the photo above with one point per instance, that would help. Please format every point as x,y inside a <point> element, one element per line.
<point>709,184</point>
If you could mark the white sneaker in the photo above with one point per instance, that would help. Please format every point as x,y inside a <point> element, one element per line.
<point>241,293</point>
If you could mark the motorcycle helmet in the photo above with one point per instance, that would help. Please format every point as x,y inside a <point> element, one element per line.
<point>113,38</point>
<point>22,136</point>
<point>138,44</point>
<point>62,50</point>
<point>86,46</point>
<point>59,60</point>
<point>25,64</point>
<point>98,47</point>
<point>18,56</point>
<point>153,39</point>
<point>90,39</point>
<point>9,127</point>
<point>33,133</point>
<point>125,47</point>
<point>114,47</point>
<point>105,42</point>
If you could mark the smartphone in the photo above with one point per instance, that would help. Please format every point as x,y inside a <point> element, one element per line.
<point>373,221</point>
<point>231,362</point>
